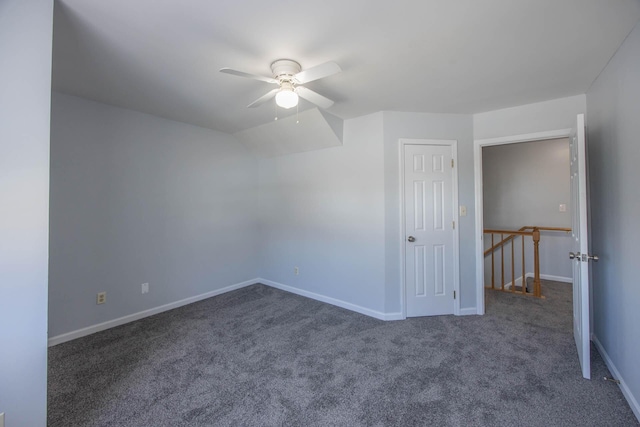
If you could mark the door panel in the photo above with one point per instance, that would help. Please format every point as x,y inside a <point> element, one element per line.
<point>429,210</point>
<point>580,252</point>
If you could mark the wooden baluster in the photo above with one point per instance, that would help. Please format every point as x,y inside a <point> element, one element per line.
<point>513,268</point>
<point>493,273</point>
<point>524,279</point>
<point>536,263</point>
<point>502,261</point>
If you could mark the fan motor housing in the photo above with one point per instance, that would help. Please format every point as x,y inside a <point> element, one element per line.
<point>285,69</point>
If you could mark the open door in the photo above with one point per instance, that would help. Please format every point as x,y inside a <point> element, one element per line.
<point>580,255</point>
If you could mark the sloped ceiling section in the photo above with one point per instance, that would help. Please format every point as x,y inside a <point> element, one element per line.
<point>311,130</point>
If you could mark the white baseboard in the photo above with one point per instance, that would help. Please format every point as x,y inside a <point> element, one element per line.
<point>333,301</point>
<point>542,276</point>
<point>394,316</point>
<point>518,281</point>
<point>633,403</point>
<point>59,339</point>
<point>554,278</point>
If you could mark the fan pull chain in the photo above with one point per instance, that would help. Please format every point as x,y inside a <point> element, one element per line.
<point>275,109</point>
<point>297,120</point>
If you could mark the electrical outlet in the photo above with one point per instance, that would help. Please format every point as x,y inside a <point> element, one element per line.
<point>563,208</point>
<point>145,288</point>
<point>296,270</point>
<point>463,211</point>
<point>101,298</point>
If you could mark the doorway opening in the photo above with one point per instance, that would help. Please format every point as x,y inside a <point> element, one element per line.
<point>526,216</point>
<point>505,148</point>
<point>579,232</point>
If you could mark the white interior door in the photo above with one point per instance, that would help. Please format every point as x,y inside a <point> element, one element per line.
<point>429,229</point>
<point>580,255</point>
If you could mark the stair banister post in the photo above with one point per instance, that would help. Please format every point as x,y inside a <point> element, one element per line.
<point>536,263</point>
<point>493,273</point>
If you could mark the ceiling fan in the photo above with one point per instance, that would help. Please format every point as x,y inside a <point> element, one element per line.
<point>290,77</point>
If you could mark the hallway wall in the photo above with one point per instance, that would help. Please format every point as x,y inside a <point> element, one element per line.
<point>614,155</point>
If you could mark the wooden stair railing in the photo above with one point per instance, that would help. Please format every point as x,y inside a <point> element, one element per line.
<point>528,230</point>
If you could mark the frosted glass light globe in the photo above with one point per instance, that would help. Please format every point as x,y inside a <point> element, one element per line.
<point>287,98</point>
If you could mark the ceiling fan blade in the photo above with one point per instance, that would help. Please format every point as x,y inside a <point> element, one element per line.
<point>250,76</point>
<point>318,72</point>
<point>264,98</point>
<point>314,97</point>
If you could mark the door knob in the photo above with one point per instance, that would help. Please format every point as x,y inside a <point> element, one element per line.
<point>583,257</point>
<point>411,239</point>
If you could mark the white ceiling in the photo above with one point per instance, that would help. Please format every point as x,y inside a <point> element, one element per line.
<point>441,56</point>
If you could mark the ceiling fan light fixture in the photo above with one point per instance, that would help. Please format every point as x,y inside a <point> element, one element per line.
<point>290,78</point>
<point>286,97</point>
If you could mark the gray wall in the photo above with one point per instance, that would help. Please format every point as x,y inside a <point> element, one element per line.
<point>428,126</point>
<point>539,117</point>
<point>323,212</point>
<point>120,176</point>
<point>524,184</point>
<point>25,88</point>
<point>335,213</point>
<point>614,174</point>
<point>135,199</point>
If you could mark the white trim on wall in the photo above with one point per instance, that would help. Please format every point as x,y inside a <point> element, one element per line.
<point>518,281</point>
<point>333,301</point>
<point>555,278</point>
<point>62,338</point>
<point>633,403</point>
<point>59,339</point>
<point>542,276</point>
<point>456,233</point>
<point>477,159</point>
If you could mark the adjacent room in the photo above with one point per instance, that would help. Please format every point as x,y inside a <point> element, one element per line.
<point>526,186</point>
<point>319,213</point>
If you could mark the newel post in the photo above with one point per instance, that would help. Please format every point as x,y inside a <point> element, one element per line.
<point>537,291</point>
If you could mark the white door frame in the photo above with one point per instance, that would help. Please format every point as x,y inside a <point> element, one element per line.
<point>477,158</point>
<point>456,237</point>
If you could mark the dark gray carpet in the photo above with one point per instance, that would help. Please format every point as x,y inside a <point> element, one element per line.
<point>262,357</point>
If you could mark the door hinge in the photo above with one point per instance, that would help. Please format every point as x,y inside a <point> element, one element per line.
<point>454,224</point>
<point>451,162</point>
<point>454,294</point>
